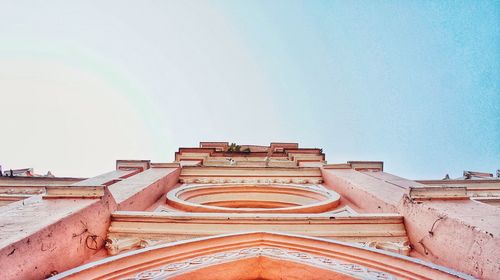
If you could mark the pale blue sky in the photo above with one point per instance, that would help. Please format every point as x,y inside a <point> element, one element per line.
<point>412,83</point>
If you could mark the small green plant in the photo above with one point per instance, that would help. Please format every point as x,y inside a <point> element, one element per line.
<point>234,148</point>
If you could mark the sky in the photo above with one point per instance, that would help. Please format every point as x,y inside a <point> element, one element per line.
<point>412,83</point>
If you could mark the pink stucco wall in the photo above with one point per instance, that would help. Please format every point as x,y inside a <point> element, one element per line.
<point>60,242</point>
<point>465,235</point>
<point>54,235</point>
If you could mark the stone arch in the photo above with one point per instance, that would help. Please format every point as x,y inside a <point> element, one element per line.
<point>274,254</point>
<point>261,267</point>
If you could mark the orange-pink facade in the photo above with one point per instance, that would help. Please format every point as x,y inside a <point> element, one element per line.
<point>222,211</point>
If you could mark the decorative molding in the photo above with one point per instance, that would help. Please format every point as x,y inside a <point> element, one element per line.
<point>337,166</point>
<point>474,188</point>
<point>276,154</point>
<point>401,247</point>
<point>116,245</point>
<point>335,265</point>
<point>51,192</point>
<point>436,192</point>
<point>367,165</point>
<point>74,192</point>
<point>481,183</point>
<point>37,181</point>
<point>250,175</point>
<point>165,165</point>
<point>251,180</point>
<point>218,146</point>
<point>252,198</point>
<point>133,164</point>
<point>357,165</point>
<point>231,171</point>
<point>21,190</point>
<point>172,226</point>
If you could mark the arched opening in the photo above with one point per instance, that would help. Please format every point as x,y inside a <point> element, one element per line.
<point>259,255</point>
<point>260,268</point>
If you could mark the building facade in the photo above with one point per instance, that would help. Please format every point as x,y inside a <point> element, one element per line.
<point>225,211</point>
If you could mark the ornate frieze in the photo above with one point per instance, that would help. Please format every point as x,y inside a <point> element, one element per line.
<point>247,180</point>
<point>342,267</point>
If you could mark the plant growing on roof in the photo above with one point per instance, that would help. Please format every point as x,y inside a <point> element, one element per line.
<point>234,148</point>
